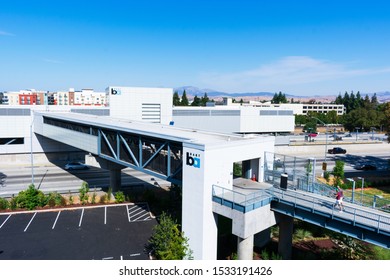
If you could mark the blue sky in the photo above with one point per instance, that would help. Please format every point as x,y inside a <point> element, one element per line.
<point>297,47</point>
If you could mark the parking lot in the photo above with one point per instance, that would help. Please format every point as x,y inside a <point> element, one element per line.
<point>83,233</point>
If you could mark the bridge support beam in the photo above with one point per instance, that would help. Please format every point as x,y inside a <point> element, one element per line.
<point>114,168</point>
<point>245,248</point>
<point>285,236</point>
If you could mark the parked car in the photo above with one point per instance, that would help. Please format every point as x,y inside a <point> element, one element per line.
<point>337,150</point>
<point>366,167</point>
<point>75,166</point>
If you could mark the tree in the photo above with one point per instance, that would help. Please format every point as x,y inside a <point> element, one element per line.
<point>204,100</point>
<point>386,120</point>
<point>367,103</point>
<point>168,242</point>
<point>363,118</point>
<point>279,98</point>
<point>300,119</point>
<point>176,99</point>
<point>332,117</point>
<point>374,100</point>
<point>339,99</point>
<point>338,172</point>
<point>196,101</point>
<point>184,99</point>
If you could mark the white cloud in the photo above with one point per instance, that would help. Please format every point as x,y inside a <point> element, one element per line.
<point>288,72</point>
<point>3,33</point>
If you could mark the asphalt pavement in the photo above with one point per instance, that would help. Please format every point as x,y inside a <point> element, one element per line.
<point>118,232</point>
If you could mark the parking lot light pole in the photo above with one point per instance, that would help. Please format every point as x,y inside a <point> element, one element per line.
<point>31,149</point>
<point>372,133</point>
<point>353,189</point>
<point>326,135</point>
<point>361,178</point>
<point>357,131</point>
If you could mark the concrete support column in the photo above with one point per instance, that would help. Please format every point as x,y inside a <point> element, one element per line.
<point>115,179</point>
<point>285,236</point>
<point>114,169</point>
<point>245,248</point>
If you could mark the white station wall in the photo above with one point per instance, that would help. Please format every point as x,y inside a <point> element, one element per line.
<point>203,167</point>
<point>136,103</point>
<point>245,119</point>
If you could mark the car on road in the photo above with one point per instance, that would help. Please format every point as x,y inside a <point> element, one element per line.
<point>337,150</point>
<point>365,167</point>
<point>76,166</point>
<point>336,137</point>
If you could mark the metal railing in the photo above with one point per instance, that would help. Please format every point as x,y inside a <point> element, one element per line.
<point>352,213</point>
<point>301,172</point>
<point>240,201</point>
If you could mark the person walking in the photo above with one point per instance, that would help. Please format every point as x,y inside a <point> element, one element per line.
<point>339,199</point>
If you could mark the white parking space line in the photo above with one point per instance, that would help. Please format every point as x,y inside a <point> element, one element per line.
<point>105,215</point>
<point>134,255</point>
<point>128,215</point>
<point>137,209</point>
<point>55,222</point>
<point>5,221</point>
<point>108,258</point>
<point>139,212</point>
<point>139,218</point>
<point>30,221</point>
<point>81,217</point>
<point>136,213</point>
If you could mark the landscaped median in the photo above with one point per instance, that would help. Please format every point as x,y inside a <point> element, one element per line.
<point>33,198</point>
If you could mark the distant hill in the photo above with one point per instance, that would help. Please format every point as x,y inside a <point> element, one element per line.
<point>191,91</point>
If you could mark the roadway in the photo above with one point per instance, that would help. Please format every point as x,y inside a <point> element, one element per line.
<point>49,178</point>
<point>377,154</point>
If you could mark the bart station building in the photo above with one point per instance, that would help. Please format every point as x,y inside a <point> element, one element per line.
<point>195,148</point>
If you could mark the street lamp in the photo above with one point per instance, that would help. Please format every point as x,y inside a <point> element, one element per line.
<point>357,131</point>
<point>372,133</point>
<point>361,178</point>
<point>353,189</point>
<point>326,135</point>
<point>31,149</point>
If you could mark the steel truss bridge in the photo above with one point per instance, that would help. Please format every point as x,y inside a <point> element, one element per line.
<point>161,157</point>
<point>366,218</point>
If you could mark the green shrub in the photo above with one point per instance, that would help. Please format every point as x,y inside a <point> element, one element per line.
<point>55,199</point>
<point>93,199</point>
<point>109,193</point>
<point>103,198</point>
<point>119,197</point>
<point>168,242</point>
<point>326,175</point>
<point>12,203</point>
<point>30,198</point>
<point>84,193</point>
<point>4,204</point>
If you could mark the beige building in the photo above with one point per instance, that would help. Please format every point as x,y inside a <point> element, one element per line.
<point>298,109</point>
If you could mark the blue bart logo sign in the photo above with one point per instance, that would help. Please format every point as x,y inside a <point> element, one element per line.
<point>193,160</point>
